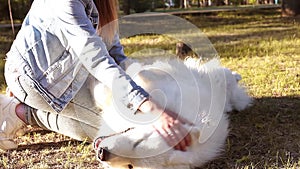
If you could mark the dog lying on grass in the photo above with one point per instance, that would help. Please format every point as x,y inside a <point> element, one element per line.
<point>199,93</point>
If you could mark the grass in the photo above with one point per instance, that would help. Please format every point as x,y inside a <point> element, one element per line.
<point>260,45</point>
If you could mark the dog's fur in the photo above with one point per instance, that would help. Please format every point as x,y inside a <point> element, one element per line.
<point>200,93</point>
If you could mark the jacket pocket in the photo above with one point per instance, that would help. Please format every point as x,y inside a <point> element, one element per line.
<point>60,75</point>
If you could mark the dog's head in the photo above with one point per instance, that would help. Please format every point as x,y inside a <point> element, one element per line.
<point>107,157</point>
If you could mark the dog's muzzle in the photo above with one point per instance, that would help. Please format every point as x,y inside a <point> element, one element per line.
<point>102,154</point>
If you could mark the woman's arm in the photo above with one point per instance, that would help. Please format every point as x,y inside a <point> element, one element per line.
<point>82,40</point>
<point>116,50</point>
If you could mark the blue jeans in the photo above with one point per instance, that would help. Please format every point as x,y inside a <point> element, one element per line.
<point>79,120</point>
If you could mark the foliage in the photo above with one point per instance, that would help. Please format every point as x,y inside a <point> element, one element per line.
<point>19,9</point>
<point>143,5</point>
<point>140,5</point>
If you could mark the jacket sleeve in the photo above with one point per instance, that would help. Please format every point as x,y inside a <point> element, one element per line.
<point>116,50</point>
<point>82,40</point>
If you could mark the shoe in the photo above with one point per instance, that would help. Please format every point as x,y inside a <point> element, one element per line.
<point>11,125</point>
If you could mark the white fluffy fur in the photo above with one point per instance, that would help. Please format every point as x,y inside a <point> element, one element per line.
<point>198,93</point>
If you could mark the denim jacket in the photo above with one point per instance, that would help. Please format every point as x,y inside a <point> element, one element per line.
<point>60,46</point>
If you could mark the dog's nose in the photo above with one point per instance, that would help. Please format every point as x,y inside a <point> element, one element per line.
<point>102,152</point>
<point>130,166</point>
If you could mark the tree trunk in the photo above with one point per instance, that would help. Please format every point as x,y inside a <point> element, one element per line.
<point>290,7</point>
<point>181,4</point>
<point>226,2</point>
<point>126,7</point>
<point>219,2</point>
<point>11,18</point>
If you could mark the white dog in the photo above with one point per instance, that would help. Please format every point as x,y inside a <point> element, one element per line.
<point>201,94</point>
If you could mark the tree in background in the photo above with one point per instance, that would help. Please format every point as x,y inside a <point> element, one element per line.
<point>19,9</point>
<point>140,5</point>
<point>146,5</point>
<point>290,7</point>
<point>126,6</point>
<point>181,3</point>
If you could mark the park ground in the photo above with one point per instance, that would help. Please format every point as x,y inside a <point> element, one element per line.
<point>260,45</point>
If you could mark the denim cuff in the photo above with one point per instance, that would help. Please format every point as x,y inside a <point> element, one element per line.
<point>136,98</point>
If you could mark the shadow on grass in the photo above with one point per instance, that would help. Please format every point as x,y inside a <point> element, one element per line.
<point>265,134</point>
<point>48,145</point>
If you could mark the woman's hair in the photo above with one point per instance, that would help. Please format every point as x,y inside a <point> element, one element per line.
<point>108,15</point>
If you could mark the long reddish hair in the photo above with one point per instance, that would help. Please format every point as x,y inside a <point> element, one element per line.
<point>108,15</point>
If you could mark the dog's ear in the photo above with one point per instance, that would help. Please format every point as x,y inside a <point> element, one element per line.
<point>237,76</point>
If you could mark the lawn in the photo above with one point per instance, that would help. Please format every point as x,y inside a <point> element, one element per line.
<point>260,45</point>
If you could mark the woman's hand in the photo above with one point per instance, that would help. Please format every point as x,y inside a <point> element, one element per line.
<point>169,126</point>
